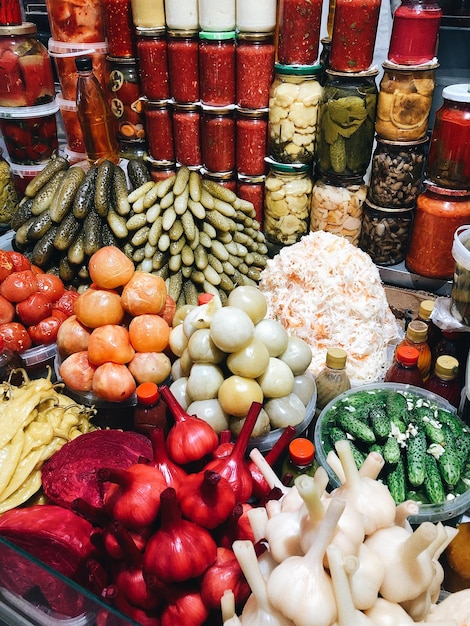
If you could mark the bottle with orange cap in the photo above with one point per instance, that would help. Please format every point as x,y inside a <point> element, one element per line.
<point>405,367</point>
<point>149,411</point>
<point>416,336</point>
<point>300,460</point>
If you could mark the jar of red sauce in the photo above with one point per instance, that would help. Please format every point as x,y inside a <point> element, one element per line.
<point>160,170</point>
<point>217,67</point>
<point>255,53</point>
<point>218,139</point>
<point>439,212</point>
<point>152,54</point>
<point>415,32</point>
<point>159,130</point>
<point>251,189</point>
<point>76,22</point>
<point>226,179</point>
<point>354,33</point>
<point>251,141</point>
<point>183,64</point>
<point>120,30</point>
<point>298,31</point>
<point>10,13</point>
<point>187,134</point>
<point>448,162</point>
<point>26,77</point>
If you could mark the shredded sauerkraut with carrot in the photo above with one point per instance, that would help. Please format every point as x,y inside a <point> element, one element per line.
<point>329,293</point>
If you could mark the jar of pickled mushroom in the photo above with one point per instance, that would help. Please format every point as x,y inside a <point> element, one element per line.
<point>298,31</point>
<point>183,65</point>
<point>337,206</point>
<point>397,172</point>
<point>187,134</point>
<point>288,188</point>
<point>152,54</point>
<point>251,140</point>
<point>78,22</point>
<point>294,106</point>
<point>218,139</point>
<point>254,55</point>
<point>217,68</point>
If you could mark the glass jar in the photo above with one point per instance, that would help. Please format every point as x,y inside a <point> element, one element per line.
<point>72,129</point>
<point>286,203</point>
<point>439,212</point>
<point>217,15</point>
<point>120,31</point>
<point>385,233</point>
<point>251,189</point>
<point>217,68</point>
<point>76,22</point>
<point>218,139</point>
<point>254,57</point>
<point>460,296</point>
<point>187,134</point>
<point>26,79</point>
<point>336,206</point>
<point>397,172</point>
<point>182,14</point>
<point>325,57</point>
<point>346,132</point>
<point>10,13</point>
<point>251,140</point>
<point>152,52</point>
<point>415,31</point>
<point>183,65</point>
<point>160,170</point>
<point>294,107</point>
<point>298,31</point>
<point>448,162</point>
<point>404,102</point>
<point>8,192</point>
<point>259,17</point>
<point>159,131</point>
<point>354,33</point>
<point>125,99</point>
<point>148,13</point>
<point>225,179</point>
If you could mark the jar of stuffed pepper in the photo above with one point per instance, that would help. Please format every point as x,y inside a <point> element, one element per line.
<point>346,134</point>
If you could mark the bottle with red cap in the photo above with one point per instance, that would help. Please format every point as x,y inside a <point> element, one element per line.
<point>149,411</point>
<point>300,460</point>
<point>405,367</point>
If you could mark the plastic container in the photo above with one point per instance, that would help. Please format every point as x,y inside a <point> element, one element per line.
<point>255,54</point>
<point>64,55</point>
<point>218,139</point>
<point>38,359</point>
<point>217,68</point>
<point>251,141</point>
<point>73,22</point>
<point>405,369</point>
<point>30,133</point>
<point>73,157</point>
<point>460,295</point>
<point>23,174</point>
<point>72,128</point>
<point>150,411</point>
<point>333,379</point>
<point>183,65</point>
<point>298,31</point>
<point>152,53</point>
<point>415,31</point>
<point>10,361</point>
<point>259,17</point>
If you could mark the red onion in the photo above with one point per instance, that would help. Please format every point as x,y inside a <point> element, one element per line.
<point>236,526</point>
<point>173,474</point>
<point>185,608</point>
<point>225,573</point>
<point>206,498</point>
<point>260,485</point>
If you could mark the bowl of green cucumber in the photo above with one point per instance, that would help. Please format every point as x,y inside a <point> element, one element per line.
<point>424,443</point>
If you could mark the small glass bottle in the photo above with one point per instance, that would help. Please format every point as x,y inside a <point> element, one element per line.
<point>300,460</point>
<point>405,368</point>
<point>10,361</point>
<point>415,31</point>
<point>333,378</point>
<point>149,411</point>
<point>444,381</point>
<point>426,307</point>
<point>416,336</point>
<point>94,114</point>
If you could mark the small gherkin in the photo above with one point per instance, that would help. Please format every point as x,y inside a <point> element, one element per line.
<point>8,195</point>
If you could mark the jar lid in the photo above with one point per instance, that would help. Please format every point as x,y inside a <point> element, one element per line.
<point>255,37</point>
<point>162,165</point>
<point>147,393</point>
<point>217,35</point>
<point>288,168</point>
<point>336,358</point>
<point>431,65</point>
<point>208,108</point>
<point>325,41</point>
<point>253,180</point>
<point>121,60</point>
<point>301,451</point>
<point>297,70</point>
<point>401,144</point>
<point>188,107</point>
<point>340,181</point>
<point>156,31</point>
<point>371,71</point>
<point>447,367</point>
<point>388,210</point>
<point>73,49</point>
<point>39,110</point>
<point>445,191</point>
<point>407,355</point>
<point>426,307</point>
<point>182,33</point>
<point>252,113</point>
<point>224,176</point>
<point>26,28</point>
<point>457,93</point>
<point>155,104</point>
<point>417,331</point>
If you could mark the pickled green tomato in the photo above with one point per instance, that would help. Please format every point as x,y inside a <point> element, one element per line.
<point>297,355</point>
<point>231,328</point>
<point>237,393</point>
<point>273,335</point>
<point>250,361</point>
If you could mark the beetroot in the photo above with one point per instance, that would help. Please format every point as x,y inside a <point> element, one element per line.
<point>72,471</point>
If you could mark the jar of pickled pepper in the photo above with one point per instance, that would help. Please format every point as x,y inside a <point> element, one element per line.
<point>415,31</point>
<point>10,13</point>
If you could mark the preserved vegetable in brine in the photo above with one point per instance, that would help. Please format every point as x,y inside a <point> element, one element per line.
<point>76,21</point>
<point>385,233</point>
<point>299,31</point>
<point>10,13</point>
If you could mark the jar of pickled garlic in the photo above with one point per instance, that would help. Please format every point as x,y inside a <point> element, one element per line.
<point>448,162</point>
<point>217,68</point>
<point>288,188</point>
<point>76,22</point>
<point>26,77</point>
<point>148,13</point>
<point>439,212</point>
<point>251,141</point>
<point>152,54</point>
<point>385,233</point>
<point>336,206</point>
<point>218,139</point>
<point>159,131</point>
<point>294,106</point>
<point>187,134</point>
<point>346,132</point>
<point>415,31</point>
<point>259,17</point>
<point>183,64</point>
<point>397,172</point>
<point>404,102</point>
<point>217,15</point>
<point>254,55</point>
<point>298,31</point>
<point>182,14</point>
<point>120,30</point>
<point>251,189</point>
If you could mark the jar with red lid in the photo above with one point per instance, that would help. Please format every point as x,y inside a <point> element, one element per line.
<point>183,64</point>
<point>217,68</point>
<point>251,189</point>
<point>159,130</point>
<point>448,162</point>
<point>255,53</point>
<point>218,139</point>
<point>120,30</point>
<point>26,77</point>
<point>439,212</point>
<point>354,33</point>
<point>415,32</point>
<point>226,179</point>
<point>10,13</point>
<point>251,141</point>
<point>187,134</point>
<point>298,31</point>
<point>152,54</point>
<point>76,22</point>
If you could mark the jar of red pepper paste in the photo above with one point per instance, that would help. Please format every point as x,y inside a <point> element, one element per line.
<point>217,68</point>
<point>251,141</point>
<point>152,54</point>
<point>159,130</point>
<point>160,170</point>
<point>298,31</point>
<point>218,139</point>
<point>120,30</point>
<point>187,134</point>
<point>251,189</point>
<point>439,212</point>
<point>415,31</point>
<point>255,54</point>
<point>354,33</point>
<point>226,179</point>
<point>183,64</point>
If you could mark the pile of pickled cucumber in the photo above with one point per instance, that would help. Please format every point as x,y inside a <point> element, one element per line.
<point>196,234</point>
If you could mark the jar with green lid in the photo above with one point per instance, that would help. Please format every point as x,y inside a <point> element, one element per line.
<point>397,172</point>
<point>286,203</point>
<point>294,106</point>
<point>217,68</point>
<point>332,379</point>
<point>346,133</point>
<point>336,206</point>
<point>385,233</point>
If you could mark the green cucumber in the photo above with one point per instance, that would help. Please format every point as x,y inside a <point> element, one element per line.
<point>396,406</point>
<point>449,462</point>
<point>396,481</point>
<point>391,451</point>
<point>433,486</point>
<point>379,422</point>
<point>415,455</point>
<point>355,427</point>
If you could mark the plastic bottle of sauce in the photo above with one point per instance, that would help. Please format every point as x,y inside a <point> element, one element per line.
<point>333,379</point>
<point>405,368</point>
<point>149,411</point>
<point>94,114</point>
<point>416,336</point>
<point>415,31</point>
<point>444,381</point>
<point>300,460</point>
<point>9,361</point>
<point>425,310</point>
<point>456,344</point>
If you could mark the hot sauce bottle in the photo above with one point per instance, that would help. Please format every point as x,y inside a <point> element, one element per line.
<point>405,368</point>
